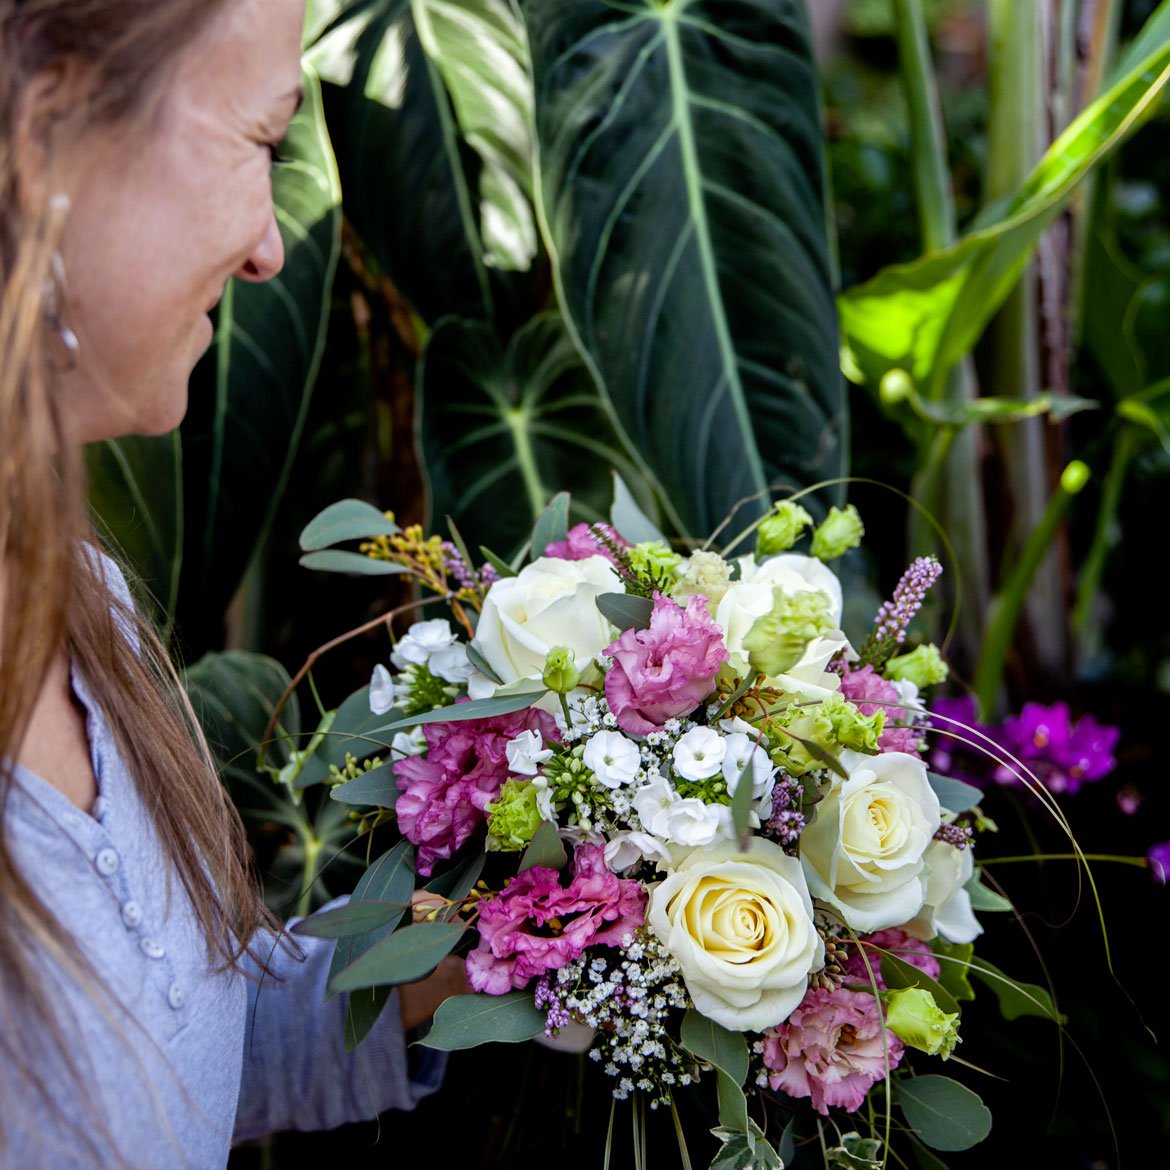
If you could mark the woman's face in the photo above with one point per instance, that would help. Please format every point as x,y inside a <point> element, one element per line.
<point>162,217</point>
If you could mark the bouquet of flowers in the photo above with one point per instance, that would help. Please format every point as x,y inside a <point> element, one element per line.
<point>660,795</point>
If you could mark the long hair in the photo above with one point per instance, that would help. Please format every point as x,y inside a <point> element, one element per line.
<point>53,596</point>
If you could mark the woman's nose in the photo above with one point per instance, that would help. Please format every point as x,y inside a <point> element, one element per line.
<point>267,257</point>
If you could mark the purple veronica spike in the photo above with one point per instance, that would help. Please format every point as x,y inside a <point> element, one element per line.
<point>896,614</point>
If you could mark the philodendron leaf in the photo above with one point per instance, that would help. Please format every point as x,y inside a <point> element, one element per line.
<point>399,153</point>
<point>250,393</point>
<point>504,429</point>
<point>465,1021</point>
<point>481,51</point>
<point>924,316</point>
<point>943,1114</point>
<point>681,192</point>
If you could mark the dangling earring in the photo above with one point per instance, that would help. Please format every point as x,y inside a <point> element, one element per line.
<point>54,299</point>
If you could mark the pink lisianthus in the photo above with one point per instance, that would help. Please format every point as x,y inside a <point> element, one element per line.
<point>666,670</point>
<point>832,1048</point>
<point>903,946</point>
<point>580,542</point>
<point>537,925</point>
<point>869,693</point>
<point>444,792</point>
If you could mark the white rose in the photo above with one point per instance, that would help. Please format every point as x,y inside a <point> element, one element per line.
<point>548,603</point>
<point>750,598</point>
<point>612,758</point>
<point>741,927</point>
<point>863,853</point>
<point>698,755</point>
<point>947,909</point>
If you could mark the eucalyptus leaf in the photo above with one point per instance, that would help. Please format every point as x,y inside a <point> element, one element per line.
<point>944,1114</point>
<point>345,520</point>
<point>519,423</point>
<point>954,795</point>
<point>349,920</point>
<point>500,565</point>
<point>335,560</point>
<point>376,787</point>
<point>715,1045</point>
<point>351,730</point>
<point>1015,999</point>
<point>984,899</point>
<point>362,1014</point>
<point>924,316</point>
<point>552,525</point>
<point>501,704</point>
<point>405,956</point>
<point>681,192</point>
<point>458,881</point>
<point>465,1021</point>
<point>741,803</point>
<point>625,611</point>
<point>954,961</point>
<point>481,51</point>
<point>545,849</point>
<point>389,879</point>
<point>481,663</point>
<point>733,1110</point>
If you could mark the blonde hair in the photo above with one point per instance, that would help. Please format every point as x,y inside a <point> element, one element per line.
<point>55,595</point>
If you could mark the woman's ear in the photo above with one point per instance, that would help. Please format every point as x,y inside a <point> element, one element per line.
<point>47,109</point>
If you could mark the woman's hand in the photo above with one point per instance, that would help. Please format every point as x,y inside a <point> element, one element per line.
<point>419,1001</point>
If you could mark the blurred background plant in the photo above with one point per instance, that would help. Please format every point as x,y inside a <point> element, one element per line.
<point>461,332</point>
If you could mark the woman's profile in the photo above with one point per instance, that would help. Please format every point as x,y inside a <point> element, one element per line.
<point>136,140</point>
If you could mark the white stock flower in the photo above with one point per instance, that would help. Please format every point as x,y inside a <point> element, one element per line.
<point>740,926</point>
<point>676,819</point>
<point>409,743</point>
<point>526,753</point>
<point>451,663</point>
<point>382,690</point>
<point>751,597</point>
<point>548,603</point>
<point>863,852</point>
<point>698,755</point>
<point>629,847</point>
<point>612,758</point>
<point>743,752</point>
<point>421,641</point>
<point>947,909</point>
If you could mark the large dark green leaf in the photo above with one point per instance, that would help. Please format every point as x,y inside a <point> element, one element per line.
<point>250,392</point>
<point>136,493</point>
<point>481,51</point>
<point>505,430</point>
<point>924,316</point>
<point>682,196</point>
<point>398,151</point>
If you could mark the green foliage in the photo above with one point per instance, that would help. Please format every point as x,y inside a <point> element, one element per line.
<point>954,795</point>
<point>406,956</point>
<point>697,287</point>
<point>944,1114</point>
<point>351,919</point>
<point>544,849</point>
<point>745,1149</point>
<point>465,1021</point>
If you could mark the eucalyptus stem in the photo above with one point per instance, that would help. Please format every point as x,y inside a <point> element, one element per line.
<point>1010,603</point>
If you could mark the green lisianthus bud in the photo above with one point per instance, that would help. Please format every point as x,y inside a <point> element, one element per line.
<point>513,817</point>
<point>840,531</point>
<point>782,529</point>
<point>704,573</point>
<point>653,559</point>
<point>923,666</point>
<point>560,670</point>
<point>777,640</point>
<point>914,1017</point>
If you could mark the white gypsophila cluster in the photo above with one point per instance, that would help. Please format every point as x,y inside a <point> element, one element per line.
<point>590,714</point>
<point>629,1000</point>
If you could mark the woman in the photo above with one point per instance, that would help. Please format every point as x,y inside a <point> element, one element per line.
<point>136,139</point>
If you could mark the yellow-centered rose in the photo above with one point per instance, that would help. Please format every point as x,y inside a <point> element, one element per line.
<point>863,854</point>
<point>740,926</point>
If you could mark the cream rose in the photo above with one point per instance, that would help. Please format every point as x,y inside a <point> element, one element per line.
<point>750,598</point>
<point>741,927</point>
<point>947,907</point>
<point>863,853</point>
<point>548,603</point>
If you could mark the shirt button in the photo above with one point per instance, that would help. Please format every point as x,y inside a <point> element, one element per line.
<point>106,862</point>
<point>175,996</point>
<point>152,949</point>
<point>131,914</point>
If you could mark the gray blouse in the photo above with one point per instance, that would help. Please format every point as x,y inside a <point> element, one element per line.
<point>190,1060</point>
